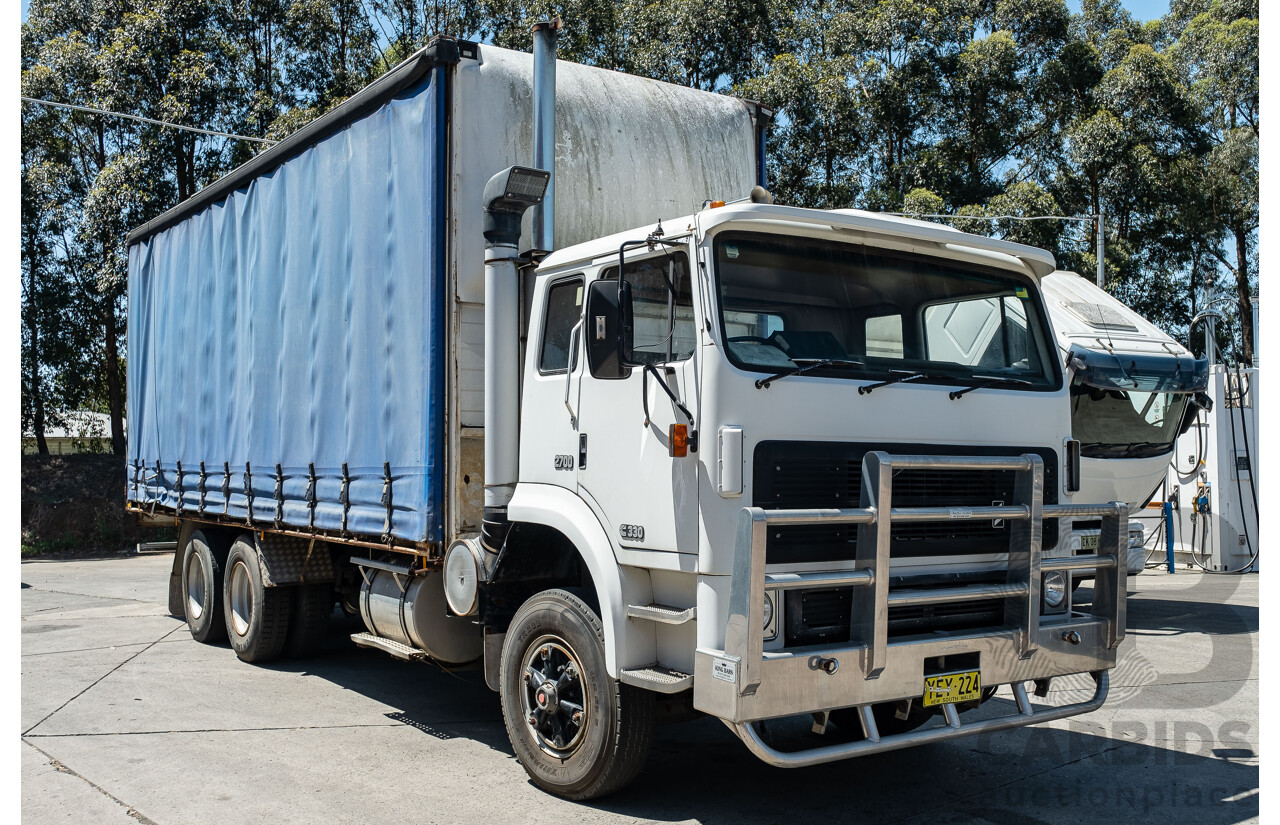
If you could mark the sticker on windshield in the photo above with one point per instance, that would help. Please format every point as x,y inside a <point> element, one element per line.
<point>1020,291</point>
<point>731,251</point>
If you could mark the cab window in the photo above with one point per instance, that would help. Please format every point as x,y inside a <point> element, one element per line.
<point>564,309</point>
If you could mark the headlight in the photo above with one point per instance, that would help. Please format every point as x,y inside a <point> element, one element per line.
<point>1135,537</point>
<point>770,629</point>
<point>1055,588</point>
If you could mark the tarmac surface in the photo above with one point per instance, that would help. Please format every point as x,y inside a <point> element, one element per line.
<point>126,719</point>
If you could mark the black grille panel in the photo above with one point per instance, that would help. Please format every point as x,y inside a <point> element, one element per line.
<point>810,474</point>
<point>824,617</point>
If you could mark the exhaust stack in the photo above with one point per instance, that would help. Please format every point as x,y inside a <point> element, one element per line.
<point>506,197</point>
<point>544,128</point>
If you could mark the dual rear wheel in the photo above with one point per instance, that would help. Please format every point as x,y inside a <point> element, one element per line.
<point>225,598</point>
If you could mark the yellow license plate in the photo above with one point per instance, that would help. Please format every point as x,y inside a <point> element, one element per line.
<point>1089,542</point>
<point>949,688</point>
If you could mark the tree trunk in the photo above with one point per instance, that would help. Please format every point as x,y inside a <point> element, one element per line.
<point>115,395</point>
<point>1244,298</point>
<point>34,386</point>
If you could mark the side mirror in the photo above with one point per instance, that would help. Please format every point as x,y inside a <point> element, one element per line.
<point>1195,404</point>
<point>608,329</point>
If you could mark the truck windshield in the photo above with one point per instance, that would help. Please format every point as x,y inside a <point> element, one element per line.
<point>1125,423</point>
<point>1128,405</point>
<point>787,301</point>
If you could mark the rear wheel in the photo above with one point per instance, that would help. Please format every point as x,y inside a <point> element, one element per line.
<point>578,733</point>
<point>202,562</point>
<point>257,617</point>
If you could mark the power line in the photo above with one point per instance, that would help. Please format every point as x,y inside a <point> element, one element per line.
<point>1087,219</point>
<point>92,110</point>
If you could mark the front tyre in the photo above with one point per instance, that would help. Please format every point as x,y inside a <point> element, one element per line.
<point>578,733</point>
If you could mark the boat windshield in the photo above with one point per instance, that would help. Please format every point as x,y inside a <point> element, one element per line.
<point>858,311</point>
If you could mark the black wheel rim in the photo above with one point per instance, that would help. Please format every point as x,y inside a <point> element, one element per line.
<point>554,696</point>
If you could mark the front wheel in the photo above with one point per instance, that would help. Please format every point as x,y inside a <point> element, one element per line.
<point>578,733</point>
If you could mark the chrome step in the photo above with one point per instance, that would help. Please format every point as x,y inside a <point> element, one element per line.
<point>657,678</point>
<point>662,613</point>
<point>409,654</point>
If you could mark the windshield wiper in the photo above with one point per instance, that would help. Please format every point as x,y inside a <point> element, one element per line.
<point>985,381</point>
<point>902,376</point>
<point>804,365</point>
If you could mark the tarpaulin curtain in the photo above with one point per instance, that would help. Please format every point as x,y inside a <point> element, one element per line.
<point>291,324</point>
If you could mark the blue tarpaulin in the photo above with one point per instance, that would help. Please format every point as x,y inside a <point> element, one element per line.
<point>297,322</point>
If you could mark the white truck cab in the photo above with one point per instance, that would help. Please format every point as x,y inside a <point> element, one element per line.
<point>813,463</point>
<point>1133,391</point>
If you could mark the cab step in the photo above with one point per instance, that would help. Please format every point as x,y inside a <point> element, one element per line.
<point>662,613</point>
<point>657,678</point>
<point>409,654</point>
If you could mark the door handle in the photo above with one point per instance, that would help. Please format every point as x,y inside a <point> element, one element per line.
<point>574,335</point>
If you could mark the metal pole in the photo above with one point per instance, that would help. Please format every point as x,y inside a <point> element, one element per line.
<point>1102,282</point>
<point>1210,340</point>
<point>1167,507</point>
<point>544,128</point>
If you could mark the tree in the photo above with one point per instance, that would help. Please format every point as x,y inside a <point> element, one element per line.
<point>1218,50</point>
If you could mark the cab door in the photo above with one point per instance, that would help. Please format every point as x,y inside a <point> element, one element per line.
<point>548,437</point>
<point>646,498</point>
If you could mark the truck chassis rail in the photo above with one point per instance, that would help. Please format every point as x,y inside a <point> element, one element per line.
<point>952,728</point>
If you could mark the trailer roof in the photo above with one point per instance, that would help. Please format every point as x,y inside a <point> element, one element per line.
<point>440,51</point>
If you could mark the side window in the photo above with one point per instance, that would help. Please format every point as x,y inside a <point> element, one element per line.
<point>884,336</point>
<point>564,309</point>
<point>648,279</point>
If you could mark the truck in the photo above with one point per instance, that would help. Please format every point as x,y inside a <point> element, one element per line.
<point>1134,392</point>
<point>516,360</point>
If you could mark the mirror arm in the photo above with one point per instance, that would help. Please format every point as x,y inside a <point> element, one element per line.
<point>644,393</point>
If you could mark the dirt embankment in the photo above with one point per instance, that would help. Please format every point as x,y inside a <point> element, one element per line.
<point>73,505</point>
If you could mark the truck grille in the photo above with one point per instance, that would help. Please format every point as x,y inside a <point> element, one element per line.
<point>811,474</point>
<point>823,617</point>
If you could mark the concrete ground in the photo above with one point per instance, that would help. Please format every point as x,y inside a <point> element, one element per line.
<point>126,719</point>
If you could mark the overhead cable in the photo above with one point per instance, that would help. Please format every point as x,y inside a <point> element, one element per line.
<point>109,113</point>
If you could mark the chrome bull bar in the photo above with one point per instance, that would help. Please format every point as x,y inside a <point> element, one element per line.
<point>742,684</point>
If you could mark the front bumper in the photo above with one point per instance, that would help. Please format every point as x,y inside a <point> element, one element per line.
<point>742,683</point>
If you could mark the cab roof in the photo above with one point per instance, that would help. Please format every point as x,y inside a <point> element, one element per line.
<point>866,226</point>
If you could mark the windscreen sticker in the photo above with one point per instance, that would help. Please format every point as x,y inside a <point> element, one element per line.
<point>731,251</point>
<point>1020,291</point>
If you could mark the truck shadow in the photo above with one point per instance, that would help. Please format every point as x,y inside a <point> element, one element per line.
<point>1093,768</point>
<point>1087,771</point>
<point>698,770</point>
<point>1196,610</point>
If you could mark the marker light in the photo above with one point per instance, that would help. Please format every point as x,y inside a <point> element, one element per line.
<point>715,204</point>
<point>678,438</point>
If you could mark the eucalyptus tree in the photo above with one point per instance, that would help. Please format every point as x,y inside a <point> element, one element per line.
<point>1217,48</point>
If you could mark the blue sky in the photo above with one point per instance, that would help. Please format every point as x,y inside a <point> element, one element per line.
<point>1141,9</point>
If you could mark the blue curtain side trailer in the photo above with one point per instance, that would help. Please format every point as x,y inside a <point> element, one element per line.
<point>305,338</point>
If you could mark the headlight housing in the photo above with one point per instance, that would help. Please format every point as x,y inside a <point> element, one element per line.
<point>1054,589</point>
<point>770,617</point>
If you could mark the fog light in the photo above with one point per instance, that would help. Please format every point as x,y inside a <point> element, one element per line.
<point>1054,588</point>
